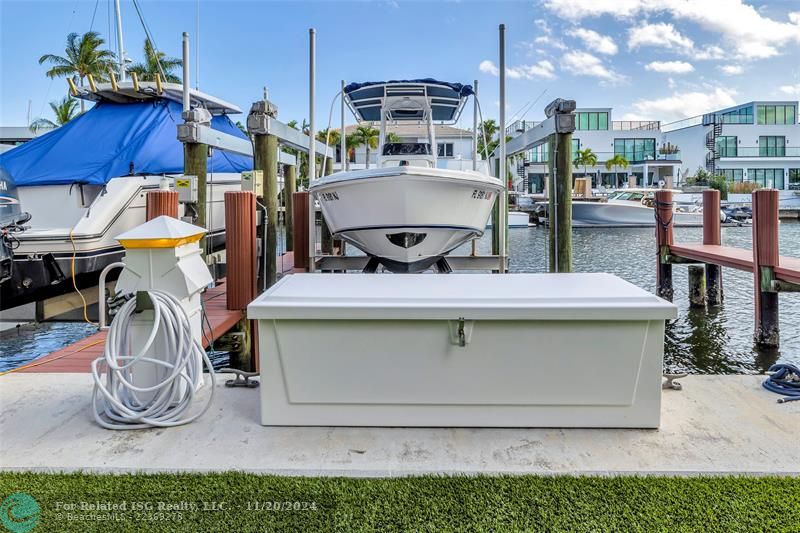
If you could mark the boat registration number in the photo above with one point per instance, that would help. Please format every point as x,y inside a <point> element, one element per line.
<point>480,194</point>
<point>329,196</point>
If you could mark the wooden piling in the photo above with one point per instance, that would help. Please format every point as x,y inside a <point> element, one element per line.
<point>765,259</point>
<point>712,234</point>
<point>664,238</point>
<point>266,160</point>
<point>195,163</point>
<point>563,199</point>
<point>161,203</point>
<point>289,188</point>
<point>300,214</point>
<point>697,286</point>
<point>240,244</point>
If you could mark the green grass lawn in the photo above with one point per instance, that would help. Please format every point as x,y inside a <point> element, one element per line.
<point>410,504</point>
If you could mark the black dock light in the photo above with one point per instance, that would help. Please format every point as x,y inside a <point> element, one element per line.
<point>563,110</point>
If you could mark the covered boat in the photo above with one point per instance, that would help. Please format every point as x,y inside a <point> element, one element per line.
<point>406,213</point>
<point>85,182</point>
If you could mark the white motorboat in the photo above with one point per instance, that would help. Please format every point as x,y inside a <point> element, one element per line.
<point>630,208</point>
<point>406,213</point>
<point>82,184</point>
<point>516,219</point>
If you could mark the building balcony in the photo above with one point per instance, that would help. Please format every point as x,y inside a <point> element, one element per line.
<point>634,125</point>
<point>761,151</point>
<point>518,127</point>
<point>638,159</point>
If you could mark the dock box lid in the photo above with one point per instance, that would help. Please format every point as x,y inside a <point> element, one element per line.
<point>451,296</point>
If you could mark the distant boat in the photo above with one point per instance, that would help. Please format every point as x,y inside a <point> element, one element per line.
<point>630,208</point>
<point>406,214</point>
<point>516,219</point>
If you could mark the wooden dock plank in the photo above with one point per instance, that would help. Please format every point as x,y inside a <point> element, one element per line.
<point>738,258</point>
<point>78,356</point>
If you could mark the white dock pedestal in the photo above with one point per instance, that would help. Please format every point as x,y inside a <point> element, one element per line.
<point>460,350</point>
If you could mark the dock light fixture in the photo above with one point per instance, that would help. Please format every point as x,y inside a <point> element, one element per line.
<point>563,112</point>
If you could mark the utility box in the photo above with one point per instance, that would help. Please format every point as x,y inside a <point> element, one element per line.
<point>253,181</point>
<point>461,350</point>
<point>187,189</point>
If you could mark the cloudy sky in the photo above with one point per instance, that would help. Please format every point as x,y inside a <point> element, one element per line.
<point>650,59</point>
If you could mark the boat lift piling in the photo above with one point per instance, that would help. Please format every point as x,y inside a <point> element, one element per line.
<point>772,273</point>
<point>712,234</point>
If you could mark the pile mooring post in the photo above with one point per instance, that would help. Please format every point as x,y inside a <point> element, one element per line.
<point>162,202</point>
<point>301,233</point>
<point>697,286</point>
<point>289,188</point>
<point>240,244</point>
<point>563,203</point>
<point>265,159</point>
<point>765,259</point>
<point>664,239</point>
<point>712,234</point>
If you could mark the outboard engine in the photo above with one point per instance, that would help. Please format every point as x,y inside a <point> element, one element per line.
<point>12,221</point>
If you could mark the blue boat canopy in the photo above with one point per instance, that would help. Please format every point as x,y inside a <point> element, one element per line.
<point>445,99</point>
<point>112,140</point>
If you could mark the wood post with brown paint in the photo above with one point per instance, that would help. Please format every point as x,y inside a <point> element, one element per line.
<point>161,203</point>
<point>664,238</point>
<point>765,259</point>
<point>712,234</point>
<point>240,244</point>
<point>300,214</point>
<point>289,188</point>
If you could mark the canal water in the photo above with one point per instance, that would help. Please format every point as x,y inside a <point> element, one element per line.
<point>717,341</point>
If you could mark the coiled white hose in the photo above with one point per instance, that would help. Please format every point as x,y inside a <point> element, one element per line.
<point>115,399</point>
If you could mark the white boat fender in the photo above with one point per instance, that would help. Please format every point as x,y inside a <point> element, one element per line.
<point>115,400</point>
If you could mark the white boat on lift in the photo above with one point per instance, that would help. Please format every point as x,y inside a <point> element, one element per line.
<point>406,213</point>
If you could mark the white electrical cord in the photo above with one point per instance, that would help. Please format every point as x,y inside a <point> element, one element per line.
<point>115,400</point>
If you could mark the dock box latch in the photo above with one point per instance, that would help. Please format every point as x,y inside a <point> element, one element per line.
<point>460,331</point>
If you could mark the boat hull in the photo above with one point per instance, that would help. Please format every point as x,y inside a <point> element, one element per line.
<point>407,217</point>
<point>590,214</point>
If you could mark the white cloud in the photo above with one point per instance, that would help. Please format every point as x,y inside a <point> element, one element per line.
<point>708,52</point>
<point>732,70</point>
<point>671,83</point>
<point>602,44</point>
<point>549,41</point>
<point>585,64</point>
<point>687,104</point>
<point>672,67</point>
<point>543,69</point>
<point>792,90</point>
<point>543,26</point>
<point>659,34</point>
<point>748,31</point>
<point>489,67</point>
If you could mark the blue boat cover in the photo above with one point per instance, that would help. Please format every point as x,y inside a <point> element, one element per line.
<point>112,140</point>
<point>445,99</point>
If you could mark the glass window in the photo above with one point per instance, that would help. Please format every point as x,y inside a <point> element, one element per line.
<point>766,177</point>
<point>445,149</point>
<point>790,114</point>
<point>727,146</point>
<point>762,114</point>
<point>794,179</point>
<point>771,146</point>
<point>770,112</point>
<point>602,123</point>
<point>732,174</point>
<point>583,121</point>
<point>635,149</point>
<point>592,121</point>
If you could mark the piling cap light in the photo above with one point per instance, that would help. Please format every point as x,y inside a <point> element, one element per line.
<point>559,106</point>
<point>161,232</point>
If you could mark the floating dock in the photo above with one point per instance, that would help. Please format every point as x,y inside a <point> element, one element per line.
<point>715,425</point>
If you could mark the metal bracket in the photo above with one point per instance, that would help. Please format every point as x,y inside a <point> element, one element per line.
<point>242,378</point>
<point>460,331</point>
<point>143,301</point>
<point>671,383</point>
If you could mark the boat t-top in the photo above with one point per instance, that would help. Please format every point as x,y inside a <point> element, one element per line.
<point>407,214</point>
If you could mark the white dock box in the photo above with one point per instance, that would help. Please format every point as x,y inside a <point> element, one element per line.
<point>469,350</point>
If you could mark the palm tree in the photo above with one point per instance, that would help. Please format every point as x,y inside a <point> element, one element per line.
<point>585,158</point>
<point>147,70</point>
<point>331,138</point>
<point>351,142</point>
<point>490,128</point>
<point>617,161</point>
<point>392,137</point>
<point>63,109</point>
<point>83,56</point>
<point>366,136</point>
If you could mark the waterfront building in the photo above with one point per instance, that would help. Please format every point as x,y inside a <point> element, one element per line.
<point>650,159</point>
<point>755,142</point>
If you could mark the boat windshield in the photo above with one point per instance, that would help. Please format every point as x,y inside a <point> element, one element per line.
<point>628,196</point>
<point>407,149</point>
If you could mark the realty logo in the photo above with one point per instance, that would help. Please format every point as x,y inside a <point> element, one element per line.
<point>19,512</point>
